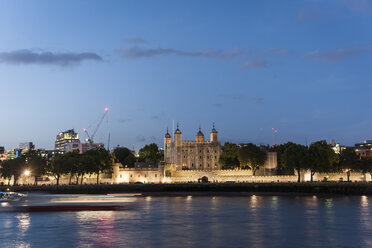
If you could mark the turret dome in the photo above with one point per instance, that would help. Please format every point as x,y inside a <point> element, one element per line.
<point>167,135</point>
<point>178,131</point>
<point>214,129</point>
<point>200,133</point>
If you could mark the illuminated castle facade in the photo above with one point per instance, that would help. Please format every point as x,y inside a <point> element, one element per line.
<point>192,155</point>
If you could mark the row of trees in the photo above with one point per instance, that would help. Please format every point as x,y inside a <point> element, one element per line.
<point>149,153</point>
<point>319,157</point>
<point>248,156</point>
<point>73,164</point>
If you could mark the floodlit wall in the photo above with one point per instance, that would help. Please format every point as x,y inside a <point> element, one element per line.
<point>354,176</point>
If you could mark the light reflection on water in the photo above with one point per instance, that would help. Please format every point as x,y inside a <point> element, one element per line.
<point>192,221</point>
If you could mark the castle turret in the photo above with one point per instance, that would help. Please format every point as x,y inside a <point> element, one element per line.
<point>178,136</point>
<point>214,134</point>
<point>167,146</point>
<point>199,136</point>
<point>167,138</point>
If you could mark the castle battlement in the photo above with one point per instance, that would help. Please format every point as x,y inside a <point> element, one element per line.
<point>190,157</point>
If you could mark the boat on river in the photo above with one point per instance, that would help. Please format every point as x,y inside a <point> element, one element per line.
<point>11,196</point>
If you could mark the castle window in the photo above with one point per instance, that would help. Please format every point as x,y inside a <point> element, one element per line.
<point>156,175</point>
<point>130,175</point>
<point>208,165</point>
<point>208,151</point>
<point>200,156</point>
<point>184,156</point>
<point>200,151</point>
<point>192,165</point>
<point>145,175</point>
<point>207,157</point>
<point>215,157</point>
<point>200,166</point>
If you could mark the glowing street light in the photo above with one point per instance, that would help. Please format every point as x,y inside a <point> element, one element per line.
<point>27,173</point>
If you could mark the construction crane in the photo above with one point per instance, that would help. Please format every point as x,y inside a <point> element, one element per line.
<point>91,137</point>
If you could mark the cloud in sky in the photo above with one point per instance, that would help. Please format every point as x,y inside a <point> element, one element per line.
<point>135,40</point>
<point>359,6</point>
<point>26,56</point>
<point>337,55</point>
<point>255,63</point>
<point>136,52</point>
<point>258,100</point>
<point>309,13</point>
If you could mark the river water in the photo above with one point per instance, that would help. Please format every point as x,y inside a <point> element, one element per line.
<point>199,221</point>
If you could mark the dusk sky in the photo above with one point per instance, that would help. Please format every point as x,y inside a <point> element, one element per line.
<point>301,67</point>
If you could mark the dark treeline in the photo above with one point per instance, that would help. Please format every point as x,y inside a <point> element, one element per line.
<point>75,165</point>
<point>292,158</point>
<point>149,153</point>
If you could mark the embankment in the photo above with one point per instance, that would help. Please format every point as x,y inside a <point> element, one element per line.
<point>342,188</point>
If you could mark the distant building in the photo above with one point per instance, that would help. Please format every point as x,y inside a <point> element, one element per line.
<point>3,154</point>
<point>64,138</point>
<point>13,153</point>
<point>26,146</point>
<point>82,147</point>
<point>193,155</point>
<point>364,149</point>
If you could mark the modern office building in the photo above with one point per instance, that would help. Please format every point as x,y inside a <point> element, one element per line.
<point>82,147</point>
<point>64,138</point>
<point>26,146</point>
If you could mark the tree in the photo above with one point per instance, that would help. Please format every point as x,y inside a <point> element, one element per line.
<point>365,165</point>
<point>229,156</point>
<point>281,168</point>
<point>252,156</point>
<point>321,158</point>
<point>296,157</point>
<point>125,156</point>
<point>57,167</point>
<point>36,163</point>
<point>97,161</point>
<point>13,168</point>
<point>348,161</point>
<point>150,153</point>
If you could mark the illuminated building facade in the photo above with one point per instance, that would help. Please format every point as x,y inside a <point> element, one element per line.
<point>66,137</point>
<point>364,149</point>
<point>82,147</point>
<point>193,155</point>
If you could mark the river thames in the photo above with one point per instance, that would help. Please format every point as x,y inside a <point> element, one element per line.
<point>199,221</point>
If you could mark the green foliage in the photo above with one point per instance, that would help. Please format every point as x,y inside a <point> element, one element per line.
<point>251,156</point>
<point>13,168</point>
<point>321,158</point>
<point>281,168</point>
<point>35,163</point>
<point>348,159</point>
<point>125,156</point>
<point>296,157</point>
<point>150,153</point>
<point>365,165</point>
<point>229,156</point>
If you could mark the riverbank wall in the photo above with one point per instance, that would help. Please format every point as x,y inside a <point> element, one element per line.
<point>341,188</point>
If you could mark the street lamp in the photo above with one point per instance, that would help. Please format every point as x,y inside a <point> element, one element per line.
<point>27,173</point>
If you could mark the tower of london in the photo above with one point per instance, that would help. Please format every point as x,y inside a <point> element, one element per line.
<point>192,155</point>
